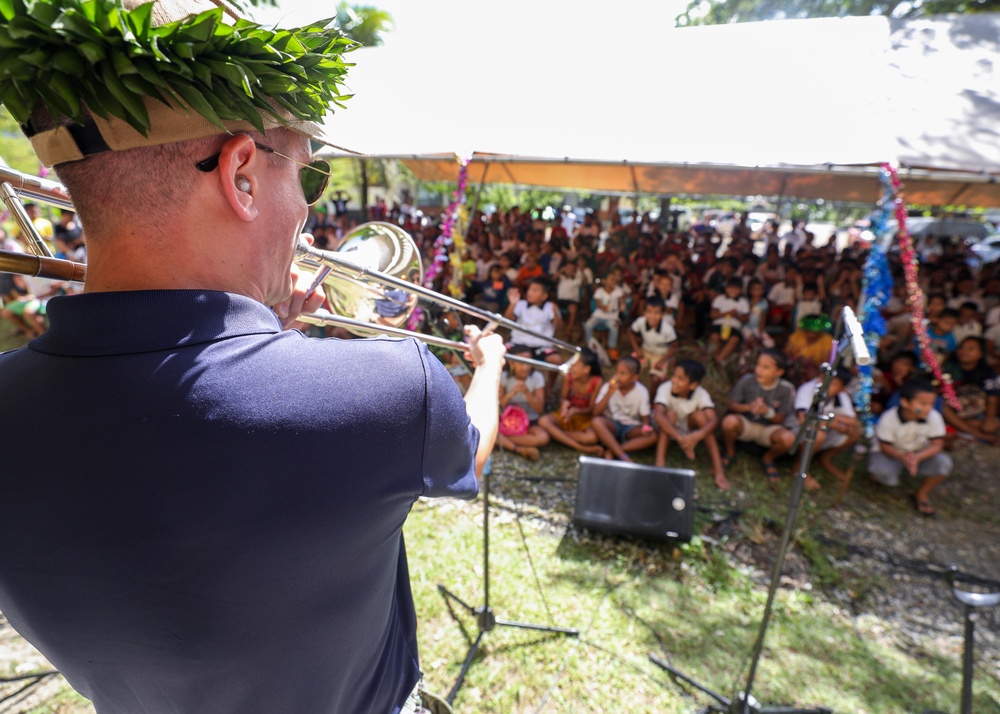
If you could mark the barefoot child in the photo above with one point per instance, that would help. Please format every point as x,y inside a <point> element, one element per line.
<point>571,425</point>
<point>684,411</point>
<point>621,414</point>
<point>654,341</point>
<point>759,404</point>
<point>522,387</point>
<point>911,437</point>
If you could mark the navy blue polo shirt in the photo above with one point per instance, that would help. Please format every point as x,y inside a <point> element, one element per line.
<point>202,513</point>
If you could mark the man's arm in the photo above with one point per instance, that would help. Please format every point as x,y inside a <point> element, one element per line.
<point>486,351</point>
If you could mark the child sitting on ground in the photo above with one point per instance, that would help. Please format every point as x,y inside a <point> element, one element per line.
<point>836,435</point>
<point>522,388</point>
<point>609,303</point>
<point>571,425</point>
<point>621,413</point>
<point>911,437</point>
<point>939,333</point>
<point>759,405</point>
<point>684,412</point>
<point>977,389</point>
<point>730,312</point>
<point>537,314</point>
<point>755,331</point>
<point>809,346</point>
<point>654,342</point>
<point>568,292</point>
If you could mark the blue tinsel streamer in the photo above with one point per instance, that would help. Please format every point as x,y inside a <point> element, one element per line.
<point>877,289</point>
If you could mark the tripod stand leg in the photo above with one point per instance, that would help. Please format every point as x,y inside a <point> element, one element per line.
<point>571,631</point>
<point>663,664</point>
<point>465,668</point>
<point>448,594</point>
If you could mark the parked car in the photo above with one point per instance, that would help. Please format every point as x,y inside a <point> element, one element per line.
<point>988,249</point>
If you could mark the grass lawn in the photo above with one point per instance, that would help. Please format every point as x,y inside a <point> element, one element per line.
<point>696,605</point>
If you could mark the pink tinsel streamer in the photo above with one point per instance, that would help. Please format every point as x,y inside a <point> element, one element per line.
<point>915,296</point>
<point>444,241</point>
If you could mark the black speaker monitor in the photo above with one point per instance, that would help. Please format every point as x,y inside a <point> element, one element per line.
<point>623,497</point>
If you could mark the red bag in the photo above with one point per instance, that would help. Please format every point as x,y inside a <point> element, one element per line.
<point>514,421</point>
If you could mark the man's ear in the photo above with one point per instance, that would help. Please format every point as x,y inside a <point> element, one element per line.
<point>239,175</point>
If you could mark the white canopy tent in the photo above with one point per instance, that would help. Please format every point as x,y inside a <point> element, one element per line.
<point>804,108</point>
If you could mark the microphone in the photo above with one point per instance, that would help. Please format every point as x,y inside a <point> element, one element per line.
<point>857,336</point>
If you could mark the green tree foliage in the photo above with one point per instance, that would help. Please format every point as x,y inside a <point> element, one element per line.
<point>363,23</point>
<point>718,12</point>
<point>15,149</point>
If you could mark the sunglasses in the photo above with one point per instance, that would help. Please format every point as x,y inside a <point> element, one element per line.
<point>313,176</point>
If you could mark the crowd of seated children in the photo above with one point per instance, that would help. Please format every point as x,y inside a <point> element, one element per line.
<point>522,400</point>
<point>621,413</point>
<point>685,413</point>
<point>782,299</point>
<point>571,424</point>
<point>654,342</point>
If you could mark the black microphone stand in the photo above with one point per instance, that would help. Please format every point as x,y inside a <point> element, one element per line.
<point>485,619</point>
<point>743,702</point>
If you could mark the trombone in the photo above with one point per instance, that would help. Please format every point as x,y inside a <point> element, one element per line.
<point>360,279</point>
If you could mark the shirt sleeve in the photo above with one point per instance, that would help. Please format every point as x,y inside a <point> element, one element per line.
<point>643,401</point>
<point>704,399</point>
<point>787,399</point>
<point>883,429</point>
<point>638,324</point>
<point>663,393</point>
<point>450,440</point>
<point>739,393</point>
<point>935,425</point>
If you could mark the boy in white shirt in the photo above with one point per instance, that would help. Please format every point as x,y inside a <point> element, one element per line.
<point>609,301</point>
<point>685,412</point>
<point>838,434</point>
<point>654,341</point>
<point>730,312</point>
<point>621,412</point>
<point>911,436</point>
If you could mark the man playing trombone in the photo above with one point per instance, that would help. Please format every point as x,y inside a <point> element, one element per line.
<point>225,535</point>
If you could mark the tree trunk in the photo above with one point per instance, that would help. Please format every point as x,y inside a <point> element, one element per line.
<point>363,170</point>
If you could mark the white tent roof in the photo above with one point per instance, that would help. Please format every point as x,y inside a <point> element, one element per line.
<point>802,108</point>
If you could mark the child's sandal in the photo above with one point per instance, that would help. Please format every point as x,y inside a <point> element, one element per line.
<point>727,461</point>
<point>771,471</point>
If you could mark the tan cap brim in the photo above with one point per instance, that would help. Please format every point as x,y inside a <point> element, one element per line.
<point>168,124</point>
